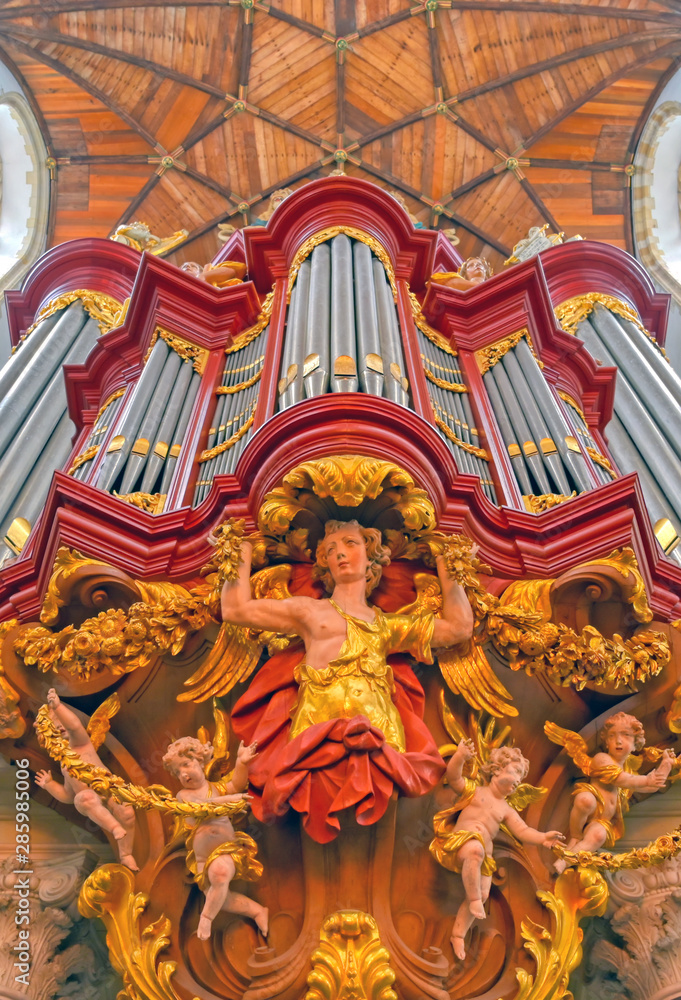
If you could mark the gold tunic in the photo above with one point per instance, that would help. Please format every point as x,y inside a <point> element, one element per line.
<point>360,681</point>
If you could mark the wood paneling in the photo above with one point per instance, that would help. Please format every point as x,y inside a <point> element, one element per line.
<point>563,85</point>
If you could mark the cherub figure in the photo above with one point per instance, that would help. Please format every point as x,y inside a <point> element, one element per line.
<point>215,853</point>
<point>115,818</point>
<point>472,272</point>
<point>597,814</point>
<point>223,275</point>
<point>483,809</point>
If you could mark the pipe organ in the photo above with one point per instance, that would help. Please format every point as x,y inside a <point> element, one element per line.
<point>150,419</point>
<point>346,332</point>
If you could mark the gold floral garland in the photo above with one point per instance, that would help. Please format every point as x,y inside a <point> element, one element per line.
<point>167,615</point>
<point>109,785</point>
<point>665,847</point>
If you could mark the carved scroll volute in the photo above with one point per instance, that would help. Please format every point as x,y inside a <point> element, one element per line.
<point>608,595</point>
<point>80,586</point>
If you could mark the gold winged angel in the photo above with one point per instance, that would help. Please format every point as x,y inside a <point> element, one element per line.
<point>332,698</point>
<point>599,804</point>
<point>488,801</point>
<point>115,818</point>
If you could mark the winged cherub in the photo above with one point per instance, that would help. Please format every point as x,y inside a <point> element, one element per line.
<point>215,853</point>
<point>115,818</point>
<point>598,807</point>
<point>339,701</point>
<point>466,845</point>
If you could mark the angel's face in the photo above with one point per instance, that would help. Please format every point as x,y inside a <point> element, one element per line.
<point>346,554</point>
<point>508,779</point>
<point>620,741</point>
<point>190,773</point>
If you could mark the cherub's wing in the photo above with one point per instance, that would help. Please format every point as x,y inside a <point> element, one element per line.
<point>467,674</point>
<point>236,651</point>
<point>574,744</point>
<point>100,720</point>
<point>525,795</point>
<point>471,676</point>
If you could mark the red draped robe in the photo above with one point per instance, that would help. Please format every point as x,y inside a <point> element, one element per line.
<point>340,763</point>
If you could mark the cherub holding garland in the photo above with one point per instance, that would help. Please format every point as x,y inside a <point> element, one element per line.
<point>597,814</point>
<point>466,846</point>
<point>115,818</point>
<point>215,853</point>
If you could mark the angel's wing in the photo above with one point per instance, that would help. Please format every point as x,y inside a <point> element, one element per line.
<point>468,674</point>
<point>471,676</point>
<point>525,795</point>
<point>574,744</point>
<point>237,650</point>
<point>100,720</point>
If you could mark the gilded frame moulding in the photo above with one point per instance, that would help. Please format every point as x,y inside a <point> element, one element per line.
<point>573,311</point>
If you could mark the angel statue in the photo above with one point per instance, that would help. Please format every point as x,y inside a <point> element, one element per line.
<point>215,853</point>
<point>465,845</point>
<point>598,807</point>
<point>337,725</point>
<point>115,818</point>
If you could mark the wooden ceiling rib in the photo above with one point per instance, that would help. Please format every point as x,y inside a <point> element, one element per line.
<point>487,115</point>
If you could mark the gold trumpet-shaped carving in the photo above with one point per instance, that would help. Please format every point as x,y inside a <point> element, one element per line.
<point>109,893</point>
<point>578,894</point>
<point>351,962</point>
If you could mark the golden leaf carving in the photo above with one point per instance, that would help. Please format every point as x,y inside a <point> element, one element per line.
<point>537,504</point>
<point>571,313</point>
<point>488,357</point>
<point>12,722</point>
<point>351,962</point>
<point>624,561</point>
<point>109,893</point>
<point>152,503</point>
<point>349,481</point>
<point>247,336</point>
<point>578,894</point>
<point>328,234</point>
<point>104,309</point>
<point>673,717</point>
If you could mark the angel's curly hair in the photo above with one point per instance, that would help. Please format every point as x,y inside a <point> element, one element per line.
<point>187,748</point>
<point>377,553</point>
<point>501,757</point>
<point>632,724</point>
<point>463,270</point>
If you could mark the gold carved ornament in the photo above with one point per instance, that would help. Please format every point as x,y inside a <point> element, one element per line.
<point>538,504</point>
<point>557,952</point>
<point>427,330</point>
<point>659,850</point>
<point>488,357</point>
<point>247,336</point>
<point>84,457</point>
<point>573,311</point>
<point>100,307</point>
<point>328,234</point>
<point>12,722</point>
<point>210,453</point>
<point>114,640</point>
<point>188,351</point>
<point>451,436</point>
<point>350,962</point>
<point>109,893</point>
<point>109,785</point>
<point>569,658</point>
<point>152,503</point>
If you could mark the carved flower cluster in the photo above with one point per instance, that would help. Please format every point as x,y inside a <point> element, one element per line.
<point>114,640</point>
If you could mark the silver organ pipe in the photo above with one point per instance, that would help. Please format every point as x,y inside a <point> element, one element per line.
<point>343,335</point>
<point>233,415</point>
<point>316,365</point>
<point>121,444</point>
<point>342,331</point>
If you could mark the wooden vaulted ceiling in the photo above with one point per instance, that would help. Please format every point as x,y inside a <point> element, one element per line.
<point>488,115</point>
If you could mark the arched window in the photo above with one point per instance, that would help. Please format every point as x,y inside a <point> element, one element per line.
<point>24,184</point>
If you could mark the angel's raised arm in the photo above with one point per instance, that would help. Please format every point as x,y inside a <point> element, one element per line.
<point>239,607</point>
